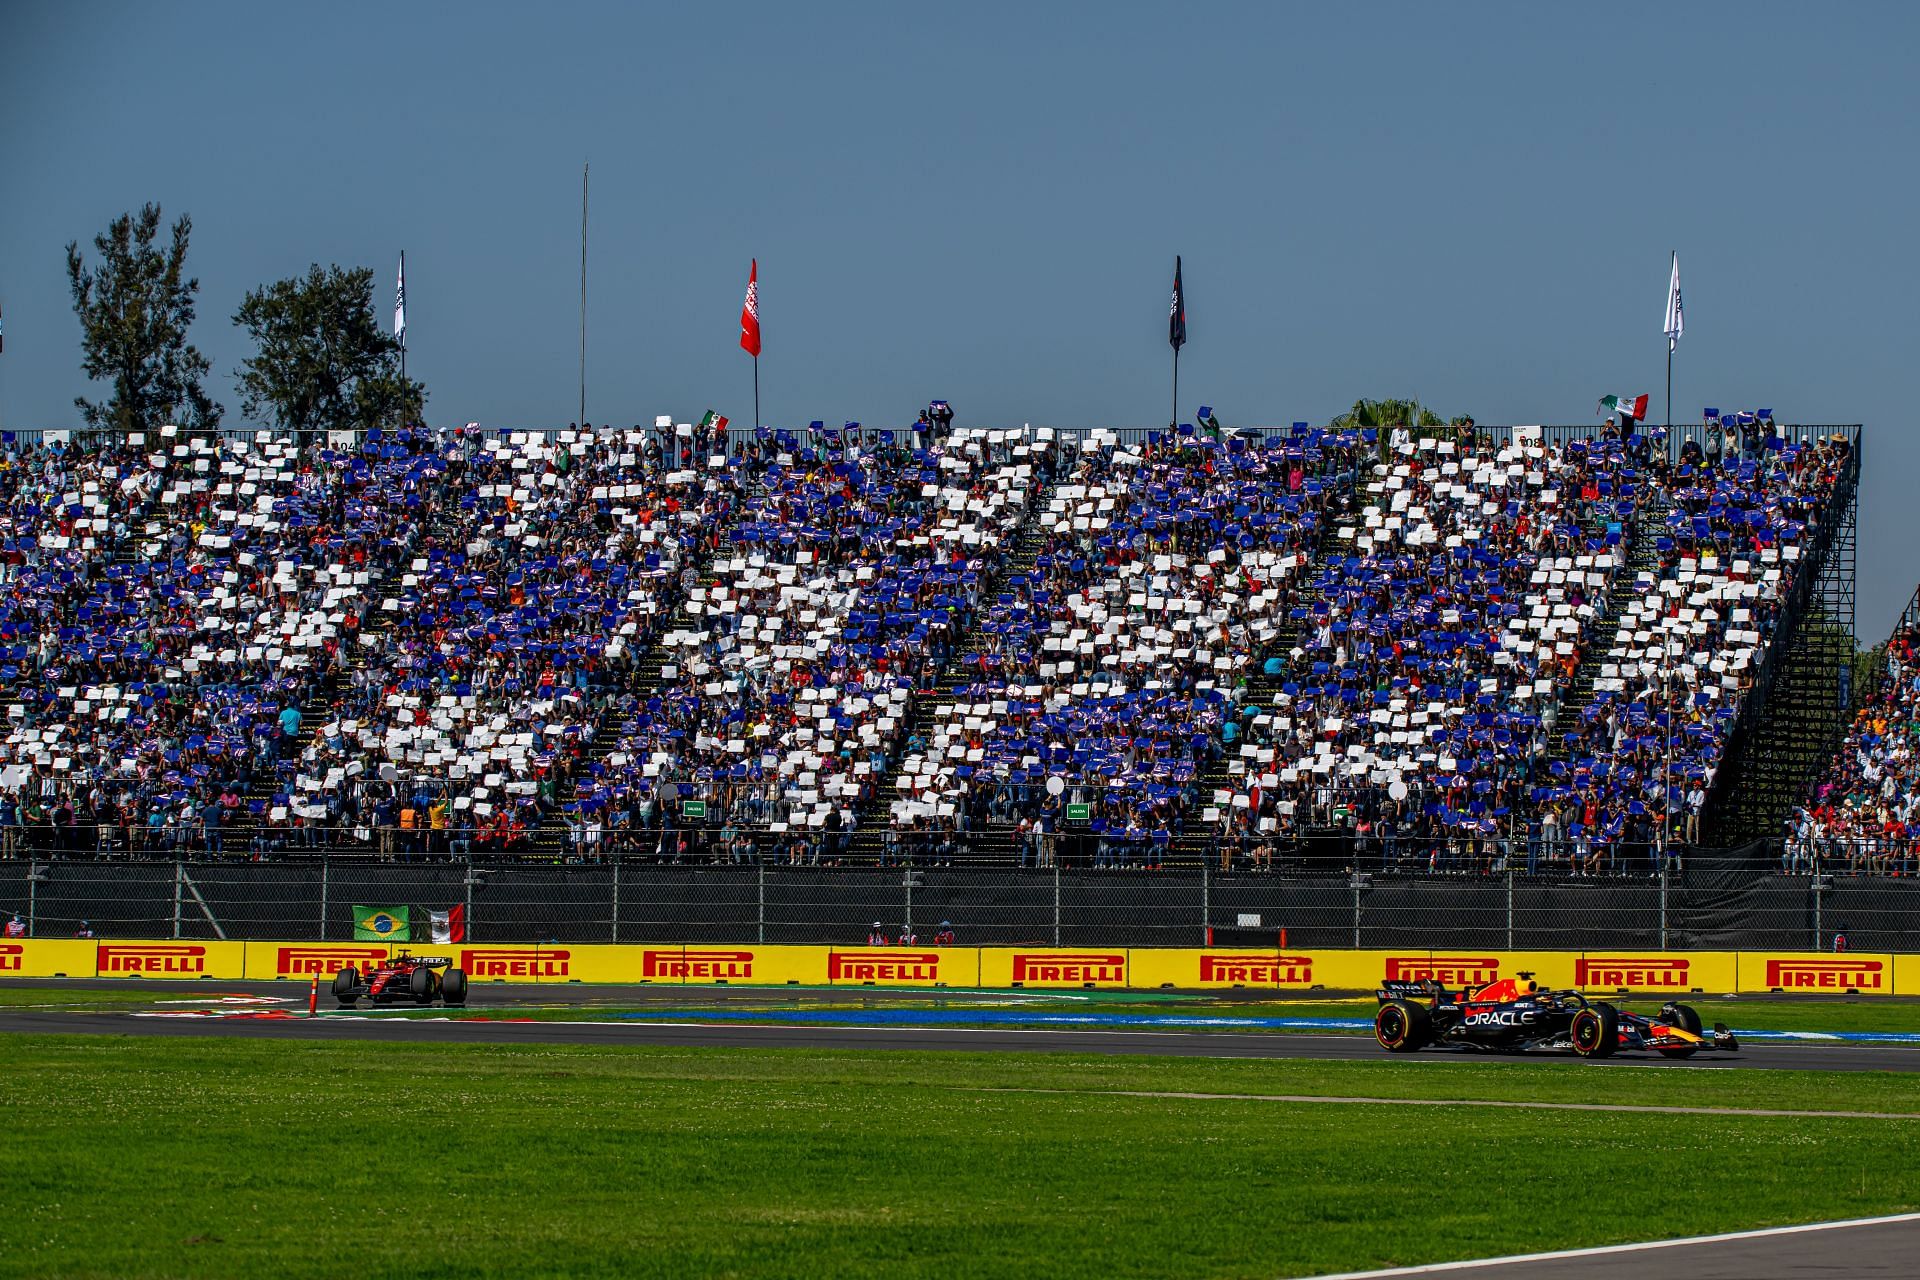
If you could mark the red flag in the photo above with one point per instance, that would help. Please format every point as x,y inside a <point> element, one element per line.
<point>750,313</point>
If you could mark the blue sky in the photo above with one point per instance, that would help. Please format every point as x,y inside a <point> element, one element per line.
<point>1471,204</point>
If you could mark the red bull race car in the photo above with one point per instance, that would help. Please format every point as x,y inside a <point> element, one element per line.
<point>404,979</point>
<point>1514,1015</point>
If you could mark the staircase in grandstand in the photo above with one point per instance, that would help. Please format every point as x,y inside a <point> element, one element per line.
<point>1801,703</point>
<point>985,843</point>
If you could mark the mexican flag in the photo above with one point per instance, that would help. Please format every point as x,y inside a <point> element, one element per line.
<point>714,422</point>
<point>448,926</point>
<point>1634,407</point>
<point>380,924</point>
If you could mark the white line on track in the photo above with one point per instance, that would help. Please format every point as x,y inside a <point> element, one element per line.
<point>1437,1268</point>
<point>1469,1102</point>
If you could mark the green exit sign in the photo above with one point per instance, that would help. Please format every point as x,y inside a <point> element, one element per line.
<point>1077,812</point>
<point>693,808</point>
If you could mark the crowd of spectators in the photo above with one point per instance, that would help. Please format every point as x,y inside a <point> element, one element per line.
<point>853,569</point>
<point>472,641</point>
<point>1110,669</point>
<point>1863,817</point>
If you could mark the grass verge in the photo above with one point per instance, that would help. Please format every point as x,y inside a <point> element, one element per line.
<point>141,1157</point>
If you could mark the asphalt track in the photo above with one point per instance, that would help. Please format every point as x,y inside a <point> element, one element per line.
<point>487,1021</point>
<point>1868,1248</point>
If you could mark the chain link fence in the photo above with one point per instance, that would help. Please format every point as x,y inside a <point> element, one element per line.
<point>634,900</point>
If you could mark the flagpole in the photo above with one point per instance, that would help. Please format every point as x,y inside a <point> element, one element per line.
<point>403,332</point>
<point>583,295</point>
<point>756,395</point>
<point>1174,423</point>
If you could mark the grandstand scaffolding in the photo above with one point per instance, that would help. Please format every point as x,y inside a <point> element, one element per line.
<point>1802,699</point>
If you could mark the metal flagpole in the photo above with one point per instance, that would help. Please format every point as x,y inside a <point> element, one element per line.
<point>756,395</point>
<point>583,295</point>
<point>1666,764</point>
<point>1174,423</point>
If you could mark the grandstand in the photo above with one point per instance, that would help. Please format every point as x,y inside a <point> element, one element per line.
<point>1560,649</point>
<point>1860,814</point>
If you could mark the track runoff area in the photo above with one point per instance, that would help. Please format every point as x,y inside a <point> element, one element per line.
<point>1284,1064</point>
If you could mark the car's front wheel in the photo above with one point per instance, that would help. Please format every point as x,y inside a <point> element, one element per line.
<point>1402,1026</point>
<point>1683,1017</point>
<point>346,987</point>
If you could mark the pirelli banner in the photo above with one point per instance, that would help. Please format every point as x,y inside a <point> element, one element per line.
<point>1060,968</point>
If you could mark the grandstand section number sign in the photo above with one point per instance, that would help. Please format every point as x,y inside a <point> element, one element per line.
<point>1077,812</point>
<point>693,808</point>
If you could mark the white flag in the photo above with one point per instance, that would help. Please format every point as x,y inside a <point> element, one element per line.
<point>400,303</point>
<point>1676,321</point>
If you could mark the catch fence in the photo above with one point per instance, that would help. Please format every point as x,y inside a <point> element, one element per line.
<point>631,900</point>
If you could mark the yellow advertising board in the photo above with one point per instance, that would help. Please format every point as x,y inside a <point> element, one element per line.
<point>1625,970</point>
<point>903,966</point>
<point>169,959</point>
<point>1832,973</point>
<point>47,958</point>
<point>1054,967</point>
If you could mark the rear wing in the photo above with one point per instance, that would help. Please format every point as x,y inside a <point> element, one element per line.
<point>1395,989</point>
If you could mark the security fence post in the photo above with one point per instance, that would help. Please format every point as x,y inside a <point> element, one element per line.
<point>1356,909</point>
<point>1663,906</point>
<point>179,878</point>
<point>472,933</point>
<point>616,899</point>
<point>906,918</point>
<point>1509,903</point>
<point>326,862</point>
<point>1056,899</point>
<point>760,877</point>
<point>1206,903</point>
<point>34,872</point>
<point>1815,885</point>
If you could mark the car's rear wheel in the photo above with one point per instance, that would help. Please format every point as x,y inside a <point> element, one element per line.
<point>1596,1030</point>
<point>346,987</point>
<point>453,987</point>
<point>1684,1017</point>
<point>1402,1027</point>
<point>420,983</point>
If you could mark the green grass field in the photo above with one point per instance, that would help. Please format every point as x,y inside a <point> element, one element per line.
<point>189,1157</point>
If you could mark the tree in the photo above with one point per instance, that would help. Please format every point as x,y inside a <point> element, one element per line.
<point>135,309</point>
<point>322,360</point>
<point>1387,413</point>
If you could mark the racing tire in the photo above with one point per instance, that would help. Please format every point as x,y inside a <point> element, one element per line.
<point>420,985</point>
<point>1686,1019</point>
<point>453,988</point>
<point>346,987</point>
<point>1595,1030</point>
<point>1402,1027</point>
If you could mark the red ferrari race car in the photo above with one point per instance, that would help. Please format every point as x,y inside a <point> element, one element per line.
<point>1516,1014</point>
<point>403,979</point>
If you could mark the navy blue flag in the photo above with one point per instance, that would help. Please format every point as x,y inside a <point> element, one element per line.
<point>1177,316</point>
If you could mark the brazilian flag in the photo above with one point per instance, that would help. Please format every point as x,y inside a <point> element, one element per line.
<point>380,924</point>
